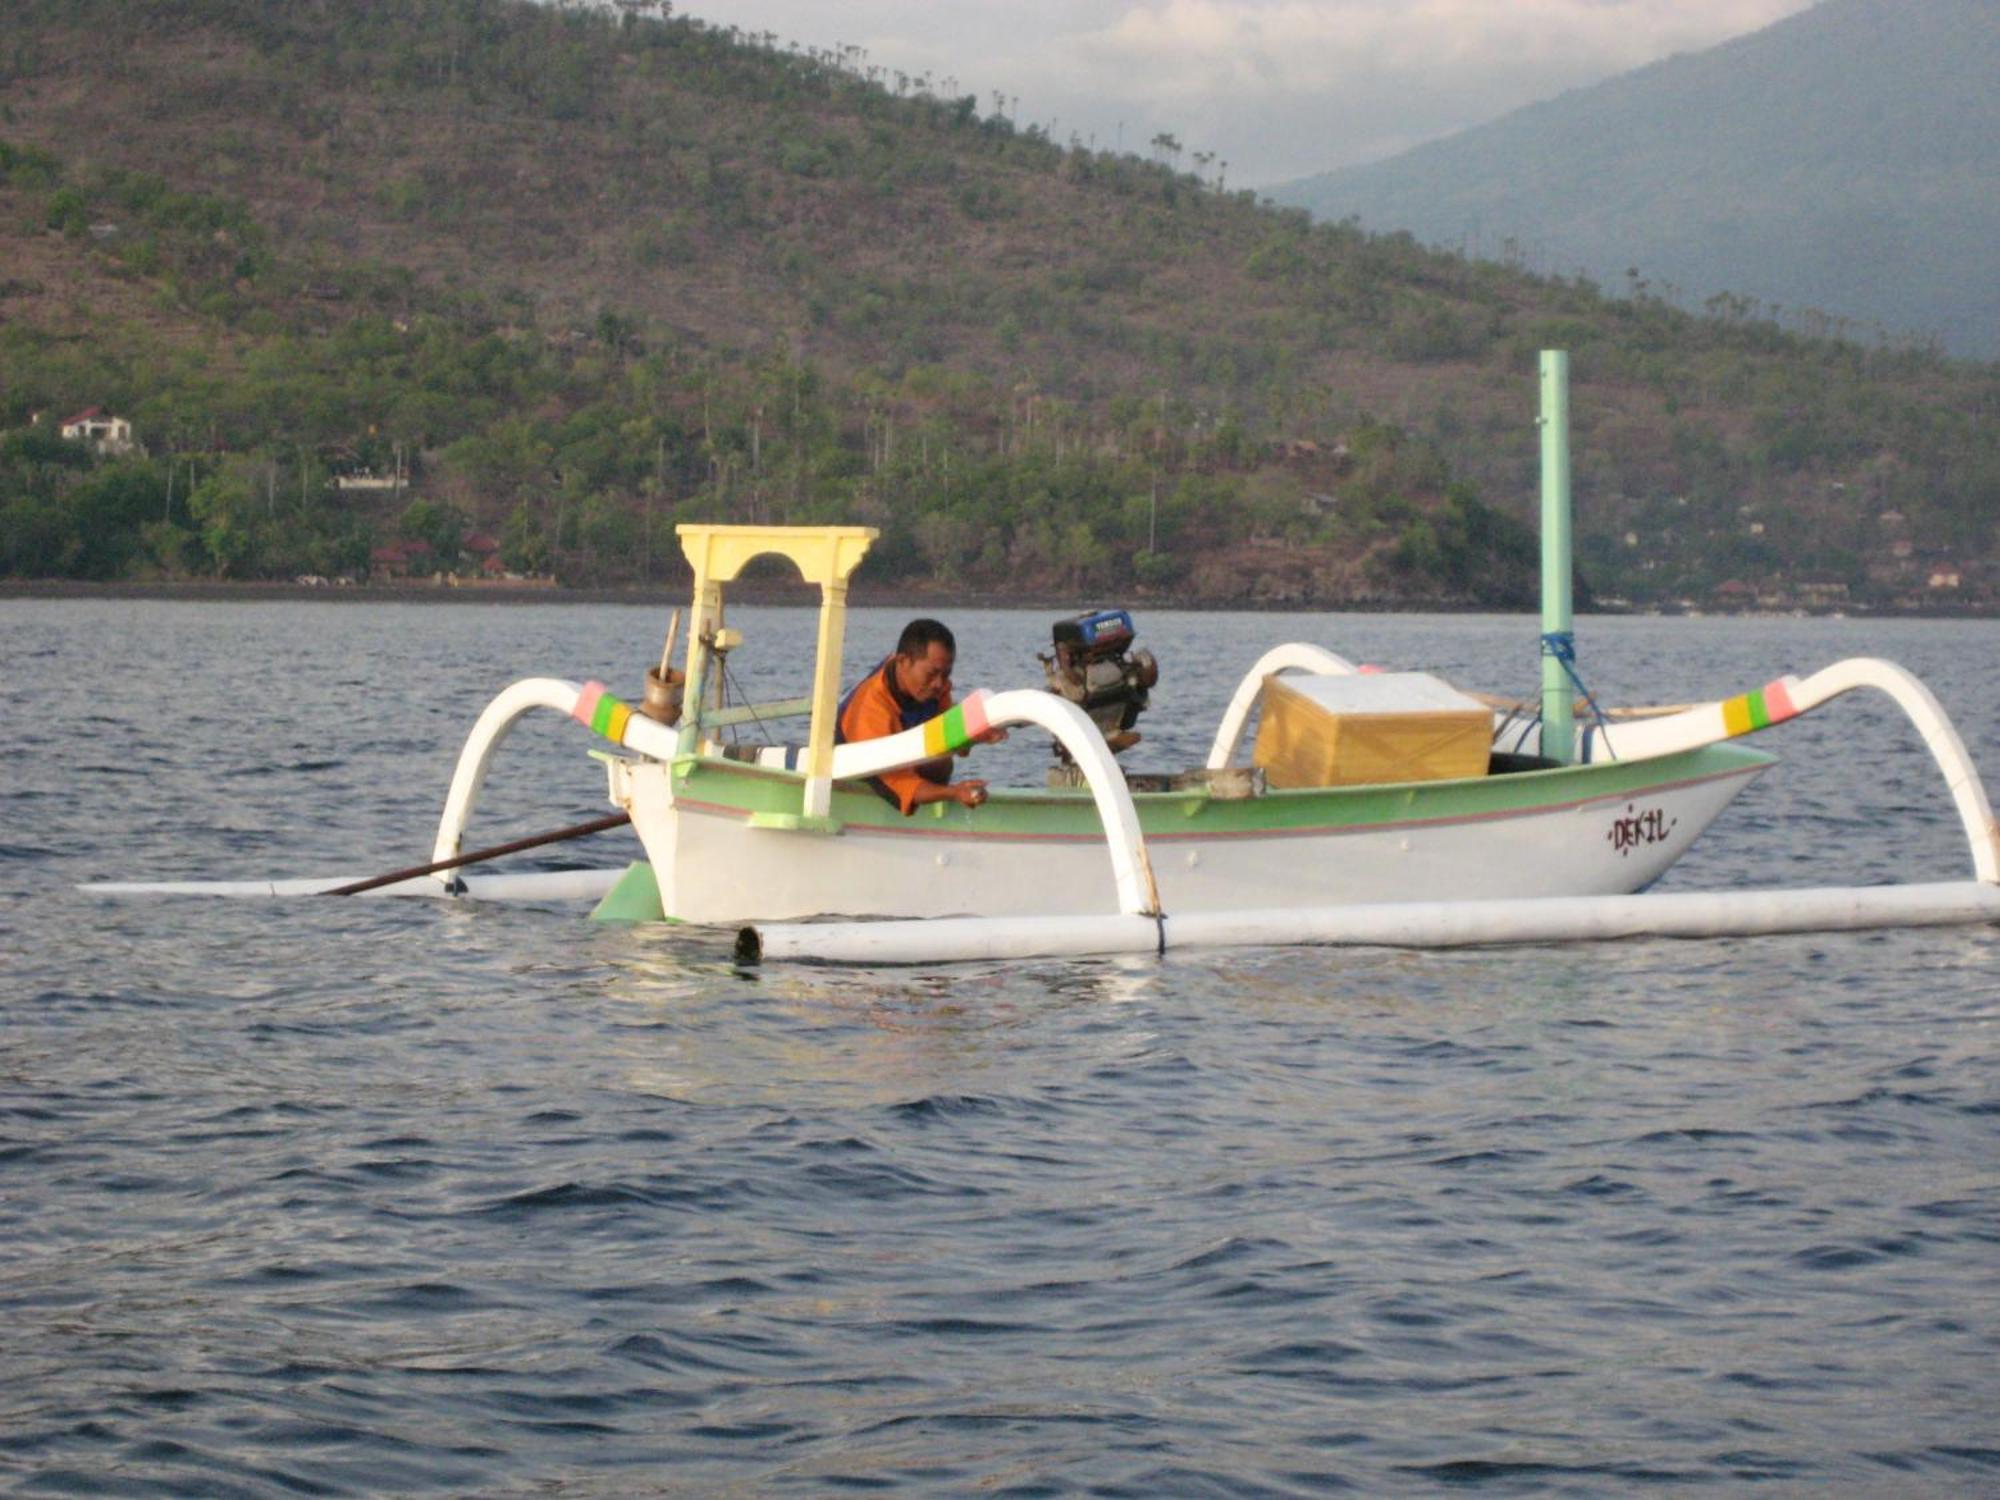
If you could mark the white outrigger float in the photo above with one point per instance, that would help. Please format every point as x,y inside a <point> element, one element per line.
<point>790,845</point>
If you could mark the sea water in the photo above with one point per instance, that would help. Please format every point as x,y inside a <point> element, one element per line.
<point>398,1197</point>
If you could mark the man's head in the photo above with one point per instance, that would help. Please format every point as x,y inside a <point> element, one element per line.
<point>924,655</point>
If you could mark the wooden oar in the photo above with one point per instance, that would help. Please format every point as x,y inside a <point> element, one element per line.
<point>576,831</point>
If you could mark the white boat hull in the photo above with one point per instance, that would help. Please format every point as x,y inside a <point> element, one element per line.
<point>1580,831</point>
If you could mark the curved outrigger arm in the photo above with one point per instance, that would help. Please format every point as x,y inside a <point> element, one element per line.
<point>587,703</point>
<point>1790,696</point>
<point>1294,656</point>
<point>953,730</point>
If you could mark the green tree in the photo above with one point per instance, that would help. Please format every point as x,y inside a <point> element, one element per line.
<point>523,546</point>
<point>69,213</point>
<point>234,509</point>
<point>439,526</point>
<point>108,509</point>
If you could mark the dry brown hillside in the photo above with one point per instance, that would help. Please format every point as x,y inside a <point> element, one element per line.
<point>582,274</point>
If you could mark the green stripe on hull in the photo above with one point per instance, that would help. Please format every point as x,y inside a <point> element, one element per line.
<point>1172,815</point>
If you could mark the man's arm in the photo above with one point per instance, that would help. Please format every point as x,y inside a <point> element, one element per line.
<point>874,716</point>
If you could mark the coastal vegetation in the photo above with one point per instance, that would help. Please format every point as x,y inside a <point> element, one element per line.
<point>372,281</point>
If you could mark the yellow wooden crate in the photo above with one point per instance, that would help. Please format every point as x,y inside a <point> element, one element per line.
<point>1369,728</point>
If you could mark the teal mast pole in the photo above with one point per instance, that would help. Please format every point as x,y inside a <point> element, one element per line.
<point>1558,642</point>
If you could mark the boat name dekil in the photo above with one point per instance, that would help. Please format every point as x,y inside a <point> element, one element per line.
<point>1649,827</point>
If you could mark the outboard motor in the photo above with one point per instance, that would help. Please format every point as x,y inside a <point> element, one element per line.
<point>1094,666</point>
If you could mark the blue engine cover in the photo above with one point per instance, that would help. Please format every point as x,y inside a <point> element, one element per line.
<point>1106,624</point>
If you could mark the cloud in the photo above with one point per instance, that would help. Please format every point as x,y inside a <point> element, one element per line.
<point>1199,48</point>
<point>1315,83</point>
<point>1280,87</point>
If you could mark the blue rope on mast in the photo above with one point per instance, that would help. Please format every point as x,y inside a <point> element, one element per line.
<point>1561,644</point>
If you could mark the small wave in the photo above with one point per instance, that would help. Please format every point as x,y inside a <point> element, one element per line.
<point>578,1409</point>
<point>1597,1185</point>
<point>395,1169</point>
<point>1846,1257</point>
<point>656,1352</point>
<point>946,1107</point>
<point>431,1297</point>
<point>739,1432</point>
<point>277,1274</point>
<point>1696,1133</point>
<point>677,1293</point>
<point>839,1145</point>
<point>171,1398</point>
<point>1300,1357</point>
<point>1752,1465</point>
<point>878,1182</point>
<point>1868,1097</point>
<point>1986,1460</point>
<point>1487,1158</point>
<point>570,1196</point>
<point>277,768</point>
<point>1235,1248</point>
<point>975,1421</point>
<point>28,1112</point>
<point>1483,1471</point>
<point>966,1327</point>
<point>1954,1208</point>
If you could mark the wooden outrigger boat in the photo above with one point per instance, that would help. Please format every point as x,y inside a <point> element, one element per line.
<point>781,839</point>
<point>794,832</point>
<point>1543,844</point>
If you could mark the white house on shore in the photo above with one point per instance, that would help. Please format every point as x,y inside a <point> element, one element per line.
<point>105,433</point>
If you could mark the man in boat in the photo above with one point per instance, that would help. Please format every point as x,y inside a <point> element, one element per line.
<point>909,688</point>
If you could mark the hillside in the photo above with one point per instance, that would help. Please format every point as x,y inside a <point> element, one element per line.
<point>574,276</point>
<point>1843,163</point>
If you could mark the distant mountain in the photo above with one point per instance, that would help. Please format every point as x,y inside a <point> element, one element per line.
<point>1844,163</point>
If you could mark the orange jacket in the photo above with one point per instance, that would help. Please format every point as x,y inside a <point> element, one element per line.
<point>877,707</point>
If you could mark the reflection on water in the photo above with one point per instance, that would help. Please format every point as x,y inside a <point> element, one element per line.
<point>849,1036</point>
<point>395,1197</point>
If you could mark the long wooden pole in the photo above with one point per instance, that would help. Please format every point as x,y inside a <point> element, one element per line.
<point>667,651</point>
<point>576,831</point>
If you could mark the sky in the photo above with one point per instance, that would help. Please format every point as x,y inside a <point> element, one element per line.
<point>1276,89</point>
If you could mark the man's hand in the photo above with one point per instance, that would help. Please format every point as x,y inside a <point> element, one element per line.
<point>964,793</point>
<point>984,737</point>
